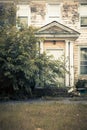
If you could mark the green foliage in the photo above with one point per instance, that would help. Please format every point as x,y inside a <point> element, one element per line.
<point>17,57</point>
<point>7,14</point>
<point>50,71</point>
<point>22,67</point>
<point>81,83</point>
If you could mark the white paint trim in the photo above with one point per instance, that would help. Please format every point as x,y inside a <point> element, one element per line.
<point>79,60</point>
<point>47,13</point>
<point>79,49</point>
<point>67,63</point>
<point>69,77</point>
<point>71,65</point>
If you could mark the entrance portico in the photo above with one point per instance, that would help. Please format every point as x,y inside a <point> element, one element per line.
<point>59,40</point>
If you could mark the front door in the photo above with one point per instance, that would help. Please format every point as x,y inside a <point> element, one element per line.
<point>57,51</point>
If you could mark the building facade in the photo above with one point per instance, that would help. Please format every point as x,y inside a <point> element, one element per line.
<point>63,24</point>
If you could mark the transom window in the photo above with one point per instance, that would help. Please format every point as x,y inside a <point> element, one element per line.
<point>83,60</point>
<point>83,15</point>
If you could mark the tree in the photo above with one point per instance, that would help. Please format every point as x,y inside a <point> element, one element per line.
<point>7,14</point>
<point>22,67</point>
<point>17,58</point>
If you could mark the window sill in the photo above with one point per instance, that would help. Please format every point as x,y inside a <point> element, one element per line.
<point>82,75</point>
<point>83,27</point>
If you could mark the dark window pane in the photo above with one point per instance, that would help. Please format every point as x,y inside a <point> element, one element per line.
<point>83,61</point>
<point>83,21</point>
<point>83,69</point>
<point>83,54</point>
<point>23,20</point>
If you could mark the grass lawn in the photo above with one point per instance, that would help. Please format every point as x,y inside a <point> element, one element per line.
<point>43,116</point>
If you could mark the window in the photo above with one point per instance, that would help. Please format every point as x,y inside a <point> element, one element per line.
<point>83,60</point>
<point>53,12</point>
<point>23,20</point>
<point>38,14</point>
<point>23,15</point>
<point>83,15</point>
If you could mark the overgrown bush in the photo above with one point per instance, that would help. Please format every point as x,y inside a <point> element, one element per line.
<point>22,67</point>
<point>51,92</point>
<point>81,83</point>
<point>51,73</point>
<point>17,59</point>
<point>7,14</point>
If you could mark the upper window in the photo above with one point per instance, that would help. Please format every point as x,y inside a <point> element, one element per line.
<point>83,60</point>
<point>53,12</point>
<point>83,15</point>
<point>23,20</point>
<point>23,15</point>
<point>38,14</point>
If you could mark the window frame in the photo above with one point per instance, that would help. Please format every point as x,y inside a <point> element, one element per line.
<point>50,18</point>
<point>82,16</point>
<point>19,13</point>
<point>20,23</point>
<point>81,60</point>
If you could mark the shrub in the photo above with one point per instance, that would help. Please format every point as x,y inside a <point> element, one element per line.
<point>22,67</point>
<point>51,92</point>
<point>81,83</point>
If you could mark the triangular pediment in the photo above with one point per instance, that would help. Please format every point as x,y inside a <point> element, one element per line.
<point>57,29</point>
<point>54,29</point>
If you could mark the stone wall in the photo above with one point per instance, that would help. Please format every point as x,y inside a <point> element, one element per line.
<point>38,12</point>
<point>70,14</point>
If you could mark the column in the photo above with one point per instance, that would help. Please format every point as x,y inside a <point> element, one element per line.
<point>67,63</point>
<point>69,77</point>
<point>71,65</point>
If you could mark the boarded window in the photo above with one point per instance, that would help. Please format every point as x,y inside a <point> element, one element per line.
<point>55,53</point>
<point>23,15</point>
<point>53,12</point>
<point>83,15</point>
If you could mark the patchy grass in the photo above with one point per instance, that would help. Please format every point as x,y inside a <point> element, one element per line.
<point>43,116</point>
